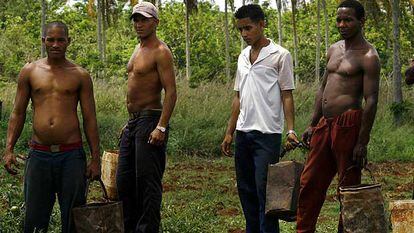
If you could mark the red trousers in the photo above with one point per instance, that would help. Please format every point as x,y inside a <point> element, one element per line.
<point>331,152</point>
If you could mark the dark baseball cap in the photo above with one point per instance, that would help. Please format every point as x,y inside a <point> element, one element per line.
<point>146,9</point>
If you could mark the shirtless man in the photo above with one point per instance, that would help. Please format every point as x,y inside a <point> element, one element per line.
<point>143,142</point>
<point>339,132</point>
<point>56,163</point>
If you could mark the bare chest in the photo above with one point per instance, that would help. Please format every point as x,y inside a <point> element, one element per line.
<point>345,64</point>
<point>44,83</point>
<point>143,64</point>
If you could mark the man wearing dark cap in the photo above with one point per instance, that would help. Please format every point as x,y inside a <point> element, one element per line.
<point>56,164</point>
<point>144,139</point>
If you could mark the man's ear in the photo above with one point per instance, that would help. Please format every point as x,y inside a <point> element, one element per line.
<point>69,40</point>
<point>362,21</point>
<point>43,40</point>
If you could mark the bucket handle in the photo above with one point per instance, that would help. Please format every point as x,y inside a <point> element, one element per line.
<point>356,167</point>
<point>296,145</point>
<point>102,186</point>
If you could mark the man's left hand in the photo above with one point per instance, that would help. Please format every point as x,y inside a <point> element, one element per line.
<point>156,137</point>
<point>93,171</point>
<point>291,142</point>
<point>360,155</point>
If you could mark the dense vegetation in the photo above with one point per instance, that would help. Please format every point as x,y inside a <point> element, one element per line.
<point>203,106</point>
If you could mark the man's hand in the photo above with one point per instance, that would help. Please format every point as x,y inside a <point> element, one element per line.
<point>93,171</point>
<point>291,142</point>
<point>225,145</point>
<point>9,162</point>
<point>307,135</point>
<point>156,137</point>
<point>360,155</point>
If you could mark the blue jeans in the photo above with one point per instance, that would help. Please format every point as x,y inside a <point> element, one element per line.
<point>254,151</point>
<point>48,174</point>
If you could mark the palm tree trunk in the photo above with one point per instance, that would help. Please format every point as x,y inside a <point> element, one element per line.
<point>396,64</point>
<point>318,40</point>
<point>226,24</point>
<point>325,16</point>
<point>295,37</point>
<point>187,41</point>
<point>43,25</point>
<point>279,21</point>
<point>242,44</point>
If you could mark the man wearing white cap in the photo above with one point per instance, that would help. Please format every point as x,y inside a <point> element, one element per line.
<point>143,143</point>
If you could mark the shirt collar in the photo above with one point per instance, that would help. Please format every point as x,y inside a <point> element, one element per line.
<point>264,52</point>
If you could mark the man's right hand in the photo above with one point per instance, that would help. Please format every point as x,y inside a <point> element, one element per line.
<point>225,145</point>
<point>307,135</point>
<point>10,163</point>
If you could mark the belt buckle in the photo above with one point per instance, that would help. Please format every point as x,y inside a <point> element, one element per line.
<point>54,148</point>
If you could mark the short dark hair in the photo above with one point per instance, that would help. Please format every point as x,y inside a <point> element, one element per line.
<point>55,24</point>
<point>357,6</point>
<point>252,11</point>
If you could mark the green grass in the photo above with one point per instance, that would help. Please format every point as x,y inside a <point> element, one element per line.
<point>200,193</point>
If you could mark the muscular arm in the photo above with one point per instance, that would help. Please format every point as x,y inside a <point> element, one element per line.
<point>371,68</point>
<point>317,112</point>
<point>165,70</point>
<point>17,118</point>
<point>235,110</point>
<point>18,115</point>
<point>231,125</point>
<point>90,126</point>
<point>288,108</point>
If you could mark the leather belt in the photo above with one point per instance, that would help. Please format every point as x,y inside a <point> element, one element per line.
<point>55,148</point>
<point>145,113</point>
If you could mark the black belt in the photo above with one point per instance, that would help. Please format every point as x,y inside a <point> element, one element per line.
<point>145,113</point>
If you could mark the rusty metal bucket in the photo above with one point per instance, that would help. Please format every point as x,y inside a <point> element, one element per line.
<point>362,208</point>
<point>108,173</point>
<point>282,190</point>
<point>402,216</point>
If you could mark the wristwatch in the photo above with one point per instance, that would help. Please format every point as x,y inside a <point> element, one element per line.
<point>291,131</point>
<point>160,128</point>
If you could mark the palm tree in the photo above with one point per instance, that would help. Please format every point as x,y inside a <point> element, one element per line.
<point>43,25</point>
<point>295,36</point>
<point>318,40</point>
<point>226,25</point>
<point>325,16</point>
<point>396,64</point>
<point>190,7</point>
<point>279,20</point>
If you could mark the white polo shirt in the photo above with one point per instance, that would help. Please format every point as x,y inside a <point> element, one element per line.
<point>260,85</point>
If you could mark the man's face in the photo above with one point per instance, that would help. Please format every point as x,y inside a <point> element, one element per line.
<point>56,41</point>
<point>144,26</point>
<point>347,22</point>
<point>250,31</point>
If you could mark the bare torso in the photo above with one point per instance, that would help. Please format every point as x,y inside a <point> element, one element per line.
<point>344,82</point>
<point>54,92</point>
<point>144,84</point>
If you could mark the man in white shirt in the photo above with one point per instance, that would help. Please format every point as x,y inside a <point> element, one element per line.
<point>263,85</point>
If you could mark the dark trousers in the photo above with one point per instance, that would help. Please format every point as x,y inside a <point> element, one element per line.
<point>254,152</point>
<point>46,175</point>
<point>332,146</point>
<point>140,170</point>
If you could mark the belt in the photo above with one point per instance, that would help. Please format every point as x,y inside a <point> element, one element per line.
<point>145,113</point>
<point>55,148</point>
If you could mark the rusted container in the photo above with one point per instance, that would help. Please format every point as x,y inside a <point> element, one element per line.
<point>108,173</point>
<point>282,190</point>
<point>402,216</point>
<point>362,209</point>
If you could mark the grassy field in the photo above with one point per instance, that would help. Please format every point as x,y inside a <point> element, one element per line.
<point>199,186</point>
